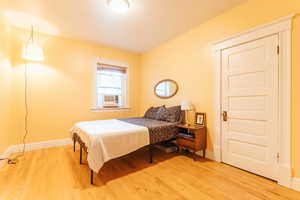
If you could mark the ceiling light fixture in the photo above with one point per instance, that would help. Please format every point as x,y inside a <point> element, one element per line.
<point>118,6</point>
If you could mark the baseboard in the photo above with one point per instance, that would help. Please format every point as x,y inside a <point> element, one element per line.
<point>217,153</point>
<point>296,184</point>
<point>40,145</point>
<point>212,155</point>
<point>33,146</point>
<point>6,154</point>
<point>208,154</point>
<point>284,176</point>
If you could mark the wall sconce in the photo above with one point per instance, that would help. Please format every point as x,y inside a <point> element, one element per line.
<point>31,51</point>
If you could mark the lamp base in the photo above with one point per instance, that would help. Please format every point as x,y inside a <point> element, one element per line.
<point>186,120</point>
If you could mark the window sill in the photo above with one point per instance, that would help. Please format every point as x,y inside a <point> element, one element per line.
<point>117,109</point>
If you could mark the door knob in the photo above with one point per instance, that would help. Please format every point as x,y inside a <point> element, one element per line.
<point>225,117</point>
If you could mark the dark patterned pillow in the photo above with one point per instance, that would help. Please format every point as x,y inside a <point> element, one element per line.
<point>151,113</point>
<point>173,114</point>
<point>162,114</point>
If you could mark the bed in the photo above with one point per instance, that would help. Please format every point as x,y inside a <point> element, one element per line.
<point>104,140</point>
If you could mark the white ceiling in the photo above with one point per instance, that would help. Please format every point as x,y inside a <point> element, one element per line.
<point>147,24</point>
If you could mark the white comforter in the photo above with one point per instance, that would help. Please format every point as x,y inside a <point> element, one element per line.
<point>109,139</point>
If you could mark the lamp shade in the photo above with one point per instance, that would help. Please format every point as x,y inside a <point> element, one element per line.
<point>119,6</point>
<point>186,105</point>
<point>32,51</point>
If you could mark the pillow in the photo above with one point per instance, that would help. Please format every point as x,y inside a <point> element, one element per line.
<point>161,114</point>
<point>173,114</point>
<point>151,113</point>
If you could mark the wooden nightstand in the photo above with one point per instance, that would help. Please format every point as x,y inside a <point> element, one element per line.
<point>193,138</point>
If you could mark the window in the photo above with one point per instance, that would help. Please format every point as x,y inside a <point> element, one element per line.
<point>111,86</point>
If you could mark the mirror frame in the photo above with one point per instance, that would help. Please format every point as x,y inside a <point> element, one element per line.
<point>170,80</point>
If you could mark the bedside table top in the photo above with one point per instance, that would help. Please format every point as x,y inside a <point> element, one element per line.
<point>192,126</point>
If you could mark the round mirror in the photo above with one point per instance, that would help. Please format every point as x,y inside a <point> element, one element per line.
<point>166,89</point>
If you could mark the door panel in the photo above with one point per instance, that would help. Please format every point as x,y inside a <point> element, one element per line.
<point>248,127</point>
<point>241,81</point>
<point>250,97</point>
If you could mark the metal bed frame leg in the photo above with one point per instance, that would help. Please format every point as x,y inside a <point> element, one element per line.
<point>80,159</point>
<point>74,145</point>
<point>92,177</point>
<point>150,153</point>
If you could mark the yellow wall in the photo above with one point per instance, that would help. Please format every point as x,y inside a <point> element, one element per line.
<point>60,88</point>
<point>6,134</point>
<point>188,60</point>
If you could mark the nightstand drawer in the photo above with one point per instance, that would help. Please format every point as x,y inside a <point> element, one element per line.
<point>186,142</point>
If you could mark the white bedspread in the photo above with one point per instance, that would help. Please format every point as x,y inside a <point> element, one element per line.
<point>109,139</point>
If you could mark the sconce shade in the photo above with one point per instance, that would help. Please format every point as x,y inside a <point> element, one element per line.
<point>186,105</point>
<point>32,51</point>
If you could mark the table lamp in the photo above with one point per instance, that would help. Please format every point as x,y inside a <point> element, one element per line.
<point>186,106</point>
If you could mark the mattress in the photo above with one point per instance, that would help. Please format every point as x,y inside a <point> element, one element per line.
<point>109,139</point>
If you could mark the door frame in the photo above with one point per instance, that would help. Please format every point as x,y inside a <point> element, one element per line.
<point>282,27</point>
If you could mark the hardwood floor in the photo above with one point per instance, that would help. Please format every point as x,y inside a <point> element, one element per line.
<point>55,173</point>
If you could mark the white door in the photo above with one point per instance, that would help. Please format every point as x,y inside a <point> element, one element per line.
<point>250,98</point>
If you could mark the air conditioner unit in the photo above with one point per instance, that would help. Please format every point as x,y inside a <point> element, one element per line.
<point>110,101</point>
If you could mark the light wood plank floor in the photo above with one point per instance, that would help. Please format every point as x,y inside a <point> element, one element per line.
<point>56,174</point>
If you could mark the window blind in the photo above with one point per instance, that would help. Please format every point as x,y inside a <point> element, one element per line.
<point>111,68</point>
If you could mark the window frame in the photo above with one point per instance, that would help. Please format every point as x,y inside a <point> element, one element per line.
<point>97,108</point>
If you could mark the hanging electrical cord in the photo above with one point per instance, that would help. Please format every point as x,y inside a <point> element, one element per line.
<point>15,160</point>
